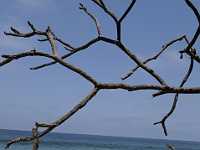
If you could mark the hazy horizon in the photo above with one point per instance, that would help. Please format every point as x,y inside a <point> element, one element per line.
<point>54,132</point>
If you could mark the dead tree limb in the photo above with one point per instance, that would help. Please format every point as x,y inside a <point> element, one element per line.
<point>196,35</point>
<point>49,36</point>
<point>186,77</point>
<point>82,7</point>
<point>164,48</point>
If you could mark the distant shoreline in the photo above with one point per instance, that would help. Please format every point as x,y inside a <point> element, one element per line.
<point>28,132</point>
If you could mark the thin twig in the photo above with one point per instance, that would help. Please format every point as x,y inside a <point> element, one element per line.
<point>141,64</point>
<point>127,11</point>
<point>35,32</point>
<point>77,70</point>
<point>186,77</point>
<point>118,22</point>
<point>105,9</point>
<point>196,35</point>
<point>15,32</point>
<point>82,7</point>
<point>164,48</point>
<point>76,50</point>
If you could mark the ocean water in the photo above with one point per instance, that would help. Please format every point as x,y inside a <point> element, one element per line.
<point>57,141</point>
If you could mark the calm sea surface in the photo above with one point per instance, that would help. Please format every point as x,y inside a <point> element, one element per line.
<point>57,141</point>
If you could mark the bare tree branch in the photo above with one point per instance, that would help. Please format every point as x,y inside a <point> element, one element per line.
<point>52,42</point>
<point>77,70</point>
<point>195,11</point>
<point>140,63</point>
<point>186,77</point>
<point>17,33</point>
<point>18,140</point>
<point>127,11</point>
<point>118,23</point>
<point>48,34</point>
<point>78,49</point>
<point>161,87</point>
<point>170,147</point>
<point>164,48</point>
<point>58,122</point>
<point>82,7</point>
<point>101,4</point>
<point>196,35</point>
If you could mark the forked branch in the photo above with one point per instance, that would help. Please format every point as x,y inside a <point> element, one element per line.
<point>164,48</point>
<point>161,87</point>
<point>162,122</point>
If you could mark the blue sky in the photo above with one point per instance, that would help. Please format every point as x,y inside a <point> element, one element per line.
<point>44,95</point>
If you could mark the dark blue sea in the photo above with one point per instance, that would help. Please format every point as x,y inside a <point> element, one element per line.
<point>58,141</point>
